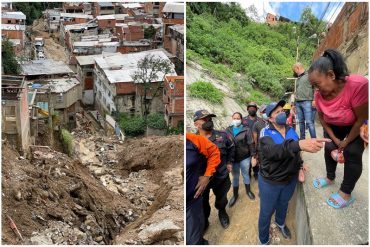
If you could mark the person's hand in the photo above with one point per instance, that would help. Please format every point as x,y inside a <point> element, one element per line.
<point>342,145</point>
<point>364,133</point>
<point>229,167</point>
<point>201,186</point>
<point>336,141</point>
<point>313,145</point>
<point>254,161</point>
<point>313,104</point>
<point>306,168</point>
<point>294,109</point>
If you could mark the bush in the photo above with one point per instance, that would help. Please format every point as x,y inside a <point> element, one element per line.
<point>132,126</point>
<point>206,91</point>
<point>67,142</point>
<point>156,121</point>
<point>176,130</point>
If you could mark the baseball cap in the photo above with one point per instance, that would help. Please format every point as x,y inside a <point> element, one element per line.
<point>202,114</point>
<point>252,104</point>
<point>272,106</point>
<point>263,108</point>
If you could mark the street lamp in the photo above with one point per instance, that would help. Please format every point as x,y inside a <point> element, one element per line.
<point>315,36</point>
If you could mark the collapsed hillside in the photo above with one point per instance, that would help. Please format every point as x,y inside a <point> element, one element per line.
<point>112,186</point>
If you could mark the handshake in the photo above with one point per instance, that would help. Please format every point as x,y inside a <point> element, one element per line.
<point>313,145</point>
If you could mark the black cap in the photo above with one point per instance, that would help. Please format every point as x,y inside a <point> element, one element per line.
<point>272,106</point>
<point>202,114</point>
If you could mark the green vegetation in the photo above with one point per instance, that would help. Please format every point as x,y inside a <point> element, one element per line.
<point>67,141</point>
<point>132,125</point>
<point>205,90</point>
<point>262,56</point>
<point>149,32</point>
<point>9,62</point>
<point>157,121</point>
<point>33,10</point>
<point>135,125</point>
<point>176,130</point>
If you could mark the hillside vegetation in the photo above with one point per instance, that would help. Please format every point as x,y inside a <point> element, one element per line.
<point>253,58</point>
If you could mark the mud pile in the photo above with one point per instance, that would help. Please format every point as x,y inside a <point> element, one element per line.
<point>103,196</point>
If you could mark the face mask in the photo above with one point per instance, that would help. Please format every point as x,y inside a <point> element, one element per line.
<point>208,126</point>
<point>265,117</point>
<point>236,122</point>
<point>280,119</point>
<point>252,113</point>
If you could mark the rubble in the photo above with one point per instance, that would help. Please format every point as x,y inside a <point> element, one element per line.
<point>95,196</point>
<point>161,230</point>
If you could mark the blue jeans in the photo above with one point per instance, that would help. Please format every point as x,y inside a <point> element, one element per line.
<point>273,198</point>
<point>304,114</point>
<point>244,167</point>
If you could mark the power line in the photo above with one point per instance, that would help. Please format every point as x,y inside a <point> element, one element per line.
<point>339,4</point>
<point>317,26</point>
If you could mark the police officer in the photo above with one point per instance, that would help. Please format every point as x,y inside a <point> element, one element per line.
<point>249,121</point>
<point>220,182</point>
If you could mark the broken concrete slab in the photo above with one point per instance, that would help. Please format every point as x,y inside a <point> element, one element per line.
<point>161,230</point>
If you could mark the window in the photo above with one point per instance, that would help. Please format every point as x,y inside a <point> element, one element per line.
<point>9,111</point>
<point>89,73</point>
<point>54,18</point>
<point>9,21</point>
<point>60,98</point>
<point>109,22</point>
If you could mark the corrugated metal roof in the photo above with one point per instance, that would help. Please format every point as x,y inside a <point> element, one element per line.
<point>132,5</point>
<point>76,15</point>
<point>105,4</point>
<point>105,17</point>
<point>121,67</point>
<point>173,8</point>
<point>45,67</point>
<point>178,28</point>
<point>89,60</point>
<point>14,15</point>
<point>14,27</point>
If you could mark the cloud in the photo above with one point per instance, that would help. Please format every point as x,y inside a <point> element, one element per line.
<point>263,7</point>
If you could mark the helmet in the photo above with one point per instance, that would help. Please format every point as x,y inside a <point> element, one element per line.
<point>252,104</point>
<point>287,106</point>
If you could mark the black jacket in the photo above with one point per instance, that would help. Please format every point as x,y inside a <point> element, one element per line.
<point>227,150</point>
<point>243,141</point>
<point>280,157</point>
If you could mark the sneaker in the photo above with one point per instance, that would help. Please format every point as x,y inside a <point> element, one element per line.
<point>285,231</point>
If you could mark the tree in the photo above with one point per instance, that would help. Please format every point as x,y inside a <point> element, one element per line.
<point>9,63</point>
<point>150,69</point>
<point>149,32</point>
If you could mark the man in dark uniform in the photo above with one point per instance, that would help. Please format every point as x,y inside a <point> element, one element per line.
<point>249,121</point>
<point>220,183</point>
<point>202,158</point>
<point>257,127</point>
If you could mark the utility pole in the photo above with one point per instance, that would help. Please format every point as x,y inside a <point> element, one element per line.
<point>50,118</point>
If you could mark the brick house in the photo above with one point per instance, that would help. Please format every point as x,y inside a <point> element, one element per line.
<point>13,27</point>
<point>114,87</point>
<point>15,125</point>
<point>173,14</point>
<point>349,34</point>
<point>173,100</point>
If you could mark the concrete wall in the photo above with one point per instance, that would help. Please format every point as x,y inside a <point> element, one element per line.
<point>104,92</point>
<point>125,103</point>
<point>302,222</point>
<point>88,97</point>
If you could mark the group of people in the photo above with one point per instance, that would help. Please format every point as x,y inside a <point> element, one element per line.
<point>271,149</point>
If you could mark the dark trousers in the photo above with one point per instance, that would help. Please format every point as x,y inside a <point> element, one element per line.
<point>220,187</point>
<point>273,198</point>
<point>195,223</point>
<point>352,158</point>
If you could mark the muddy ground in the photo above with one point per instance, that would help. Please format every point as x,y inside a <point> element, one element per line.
<point>111,192</point>
<point>243,229</point>
<point>52,47</point>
